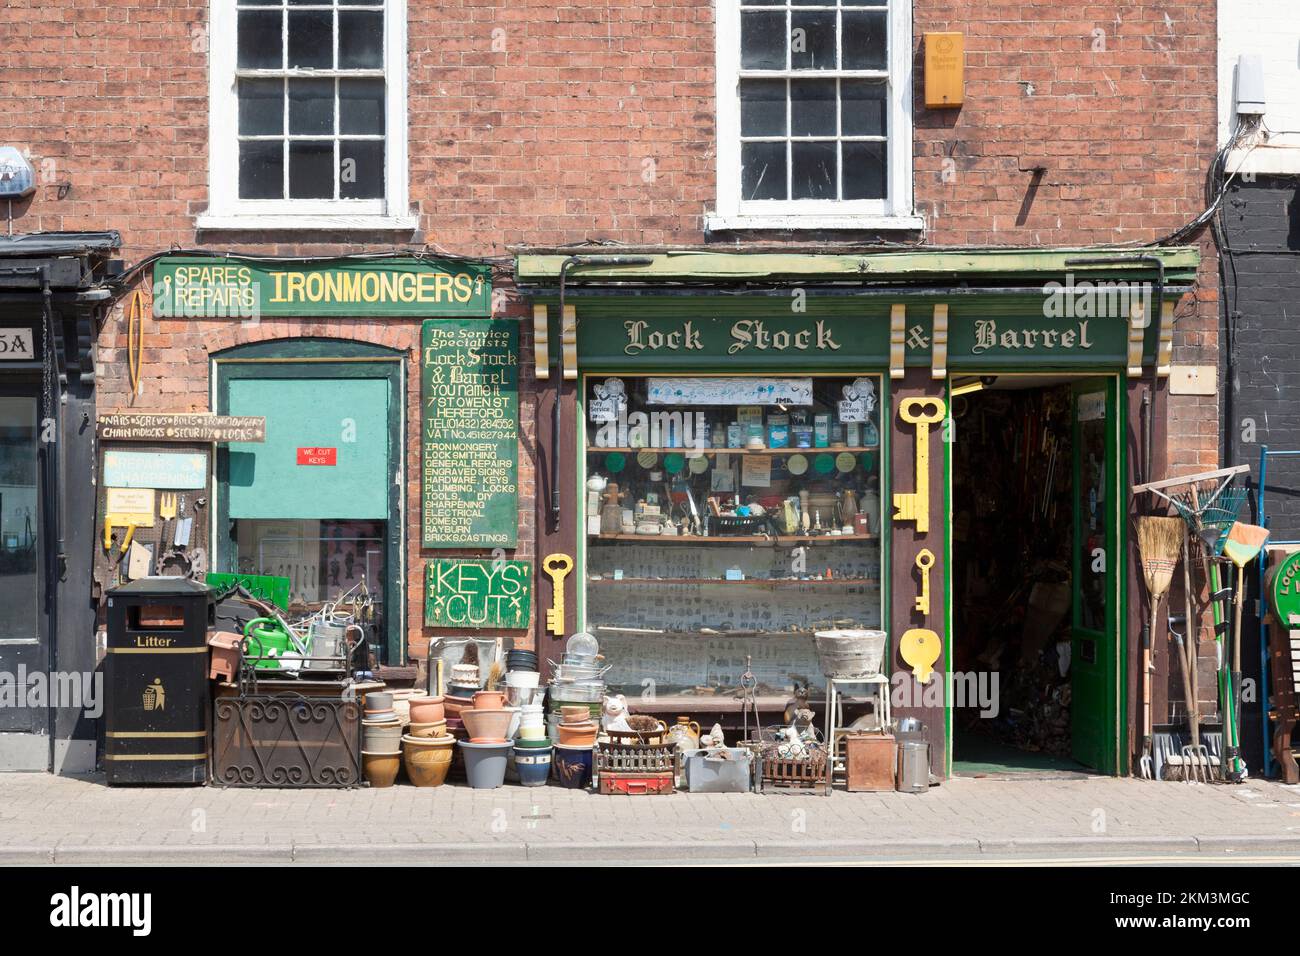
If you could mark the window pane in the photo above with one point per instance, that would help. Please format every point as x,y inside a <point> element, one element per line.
<point>864,171</point>
<point>812,40</point>
<point>812,107</point>
<point>258,39</point>
<point>20,521</point>
<point>863,110</point>
<point>311,170</point>
<point>261,107</point>
<point>762,107</point>
<point>762,41</point>
<point>361,169</point>
<point>311,39</point>
<point>813,167</point>
<point>361,106</point>
<point>261,170</point>
<point>259,3</point>
<point>762,171</point>
<point>361,40</point>
<point>864,40</point>
<point>311,107</point>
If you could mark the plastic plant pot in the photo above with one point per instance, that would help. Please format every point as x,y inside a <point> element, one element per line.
<point>533,765</point>
<point>485,764</point>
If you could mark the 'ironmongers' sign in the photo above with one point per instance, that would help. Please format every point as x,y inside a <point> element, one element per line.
<point>195,287</point>
<point>187,427</point>
<point>471,593</point>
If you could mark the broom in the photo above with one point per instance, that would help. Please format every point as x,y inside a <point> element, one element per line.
<point>1160,540</point>
<point>1243,544</point>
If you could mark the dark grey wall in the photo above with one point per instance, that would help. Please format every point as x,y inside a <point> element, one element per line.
<point>1260,309</point>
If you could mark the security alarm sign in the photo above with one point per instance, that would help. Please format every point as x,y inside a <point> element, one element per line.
<point>318,456</point>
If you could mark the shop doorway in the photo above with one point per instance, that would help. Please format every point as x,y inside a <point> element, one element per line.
<point>319,502</point>
<point>24,638</point>
<point>1035,579</point>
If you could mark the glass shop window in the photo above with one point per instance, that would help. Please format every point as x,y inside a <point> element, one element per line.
<point>729,518</point>
<point>317,136</point>
<point>323,559</point>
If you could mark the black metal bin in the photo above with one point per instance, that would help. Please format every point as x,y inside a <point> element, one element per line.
<point>156,719</point>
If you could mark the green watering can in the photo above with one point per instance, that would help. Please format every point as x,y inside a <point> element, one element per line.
<point>266,638</point>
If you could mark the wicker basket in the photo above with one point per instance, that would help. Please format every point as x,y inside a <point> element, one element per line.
<point>851,653</point>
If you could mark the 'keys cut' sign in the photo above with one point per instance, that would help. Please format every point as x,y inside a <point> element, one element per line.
<point>318,456</point>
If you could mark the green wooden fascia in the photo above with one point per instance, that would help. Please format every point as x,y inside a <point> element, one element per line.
<point>693,265</point>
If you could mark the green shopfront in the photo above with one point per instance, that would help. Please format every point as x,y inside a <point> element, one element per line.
<point>756,447</point>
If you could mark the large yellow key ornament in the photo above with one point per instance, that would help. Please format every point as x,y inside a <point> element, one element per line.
<point>920,648</point>
<point>921,412</point>
<point>558,567</point>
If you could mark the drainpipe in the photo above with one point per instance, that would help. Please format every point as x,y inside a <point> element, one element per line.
<point>558,372</point>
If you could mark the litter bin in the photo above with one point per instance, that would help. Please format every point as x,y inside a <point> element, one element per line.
<point>156,718</point>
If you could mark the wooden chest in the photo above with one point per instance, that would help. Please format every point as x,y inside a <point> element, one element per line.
<point>635,784</point>
<point>870,761</point>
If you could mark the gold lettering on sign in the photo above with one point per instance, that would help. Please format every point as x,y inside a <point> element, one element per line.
<point>988,336</point>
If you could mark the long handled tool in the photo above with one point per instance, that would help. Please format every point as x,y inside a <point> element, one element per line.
<point>1159,541</point>
<point>1243,544</point>
<point>1195,763</point>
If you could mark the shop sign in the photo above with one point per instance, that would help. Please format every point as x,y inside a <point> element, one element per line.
<point>318,456</point>
<point>16,345</point>
<point>1284,591</point>
<point>132,469</point>
<point>470,593</point>
<point>469,433</point>
<point>181,427</point>
<point>208,287</point>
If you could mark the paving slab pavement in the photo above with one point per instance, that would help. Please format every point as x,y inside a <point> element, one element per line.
<point>81,820</point>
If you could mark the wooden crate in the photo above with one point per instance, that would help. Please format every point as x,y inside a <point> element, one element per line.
<point>870,760</point>
<point>796,773</point>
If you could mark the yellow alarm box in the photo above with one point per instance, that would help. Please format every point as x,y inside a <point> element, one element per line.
<point>945,67</point>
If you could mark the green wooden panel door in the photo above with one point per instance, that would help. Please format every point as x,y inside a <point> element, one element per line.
<point>326,453</point>
<point>1097,559</point>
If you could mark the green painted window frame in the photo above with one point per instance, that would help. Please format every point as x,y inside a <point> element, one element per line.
<point>291,358</point>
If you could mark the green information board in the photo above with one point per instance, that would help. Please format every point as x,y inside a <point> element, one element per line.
<point>472,593</point>
<point>213,287</point>
<point>1284,590</point>
<point>469,432</point>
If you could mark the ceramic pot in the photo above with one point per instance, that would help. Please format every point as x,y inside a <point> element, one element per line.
<point>533,765</point>
<point>485,763</point>
<point>579,735</point>
<point>573,766</point>
<point>379,700</point>
<point>385,738</point>
<point>489,700</point>
<point>425,710</point>
<point>434,728</point>
<point>380,769</point>
<point>535,731</point>
<point>427,759</point>
<point>527,679</point>
<point>453,705</point>
<point>573,715</point>
<point>487,726</point>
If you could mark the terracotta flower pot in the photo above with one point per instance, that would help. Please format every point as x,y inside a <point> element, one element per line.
<point>579,735</point>
<point>426,710</point>
<point>573,715</point>
<point>453,705</point>
<point>434,728</point>
<point>380,769</point>
<point>487,726</point>
<point>427,759</point>
<point>489,700</point>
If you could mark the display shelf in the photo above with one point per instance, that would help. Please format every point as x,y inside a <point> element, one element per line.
<point>735,538</point>
<point>753,582</point>
<point>713,703</point>
<point>691,452</point>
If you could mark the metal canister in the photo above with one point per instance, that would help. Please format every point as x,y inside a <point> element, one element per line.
<point>913,766</point>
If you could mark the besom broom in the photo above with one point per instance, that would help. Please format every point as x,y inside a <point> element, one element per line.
<point>1160,541</point>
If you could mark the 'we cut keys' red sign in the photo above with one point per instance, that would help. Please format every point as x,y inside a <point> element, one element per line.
<point>318,456</point>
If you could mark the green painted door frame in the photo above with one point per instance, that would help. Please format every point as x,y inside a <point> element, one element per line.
<point>1101,682</point>
<point>320,359</point>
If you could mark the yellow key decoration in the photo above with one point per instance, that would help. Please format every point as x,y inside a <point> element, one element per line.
<point>558,567</point>
<point>920,647</point>
<point>924,562</point>
<point>921,412</point>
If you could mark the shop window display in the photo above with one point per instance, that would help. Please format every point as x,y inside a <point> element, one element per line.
<point>727,519</point>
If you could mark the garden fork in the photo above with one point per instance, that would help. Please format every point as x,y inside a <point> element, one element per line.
<point>166,511</point>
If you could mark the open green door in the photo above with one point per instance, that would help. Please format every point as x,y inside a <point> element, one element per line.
<point>1098,557</point>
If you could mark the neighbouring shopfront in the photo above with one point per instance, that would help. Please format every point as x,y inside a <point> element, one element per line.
<point>756,448</point>
<point>53,294</point>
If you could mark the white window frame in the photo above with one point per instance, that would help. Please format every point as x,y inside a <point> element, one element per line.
<point>227,211</point>
<point>896,211</point>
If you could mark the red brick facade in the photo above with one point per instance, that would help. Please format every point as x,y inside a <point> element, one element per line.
<point>534,123</point>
